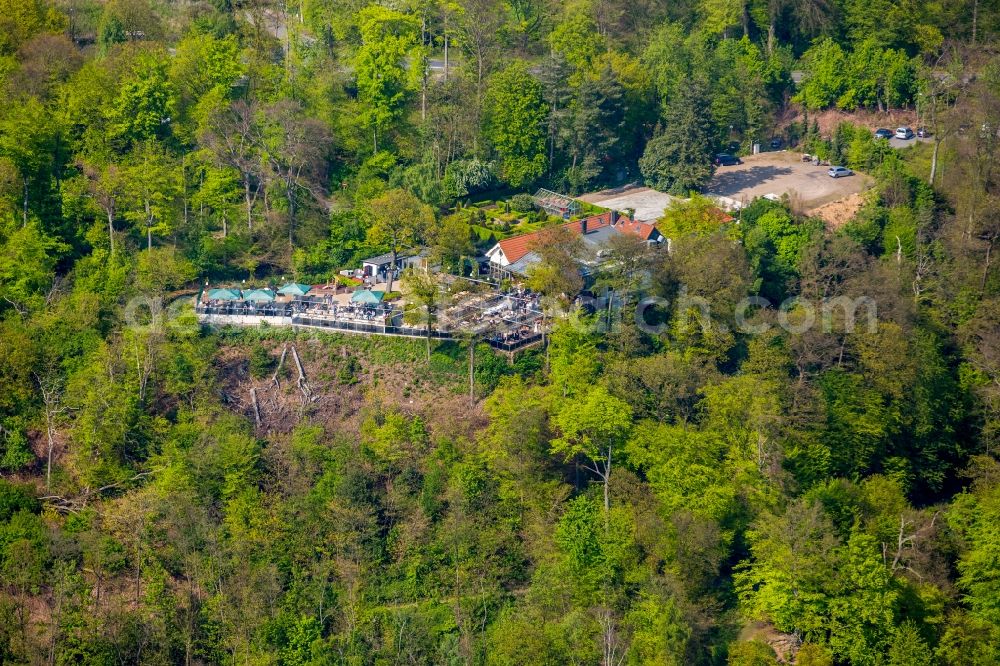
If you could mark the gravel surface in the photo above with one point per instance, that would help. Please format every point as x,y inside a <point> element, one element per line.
<point>781,173</point>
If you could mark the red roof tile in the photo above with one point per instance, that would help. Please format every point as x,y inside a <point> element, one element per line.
<point>722,216</point>
<point>643,230</point>
<point>516,247</point>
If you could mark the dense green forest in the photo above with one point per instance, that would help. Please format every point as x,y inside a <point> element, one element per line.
<point>695,494</point>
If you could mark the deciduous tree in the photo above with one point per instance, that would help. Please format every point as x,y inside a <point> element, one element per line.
<point>514,125</point>
<point>399,219</point>
<point>592,426</point>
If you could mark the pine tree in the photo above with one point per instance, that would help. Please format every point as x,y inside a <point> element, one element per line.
<point>679,159</point>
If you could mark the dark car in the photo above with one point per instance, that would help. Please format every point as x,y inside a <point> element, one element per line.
<point>725,159</point>
<point>883,133</point>
<point>777,143</point>
<point>923,132</point>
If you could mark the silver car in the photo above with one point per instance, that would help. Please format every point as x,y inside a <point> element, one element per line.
<point>839,172</point>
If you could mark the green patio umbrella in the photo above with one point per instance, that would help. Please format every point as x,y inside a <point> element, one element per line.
<point>260,295</point>
<point>226,294</point>
<point>367,297</point>
<point>295,289</point>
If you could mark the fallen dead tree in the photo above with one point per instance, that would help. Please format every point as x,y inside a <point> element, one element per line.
<point>256,405</point>
<point>79,503</point>
<point>281,363</point>
<point>303,384</point>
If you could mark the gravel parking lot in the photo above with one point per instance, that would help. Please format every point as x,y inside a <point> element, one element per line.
<point>647,203</point>
<point>783,173</point>
<point>906,143</point>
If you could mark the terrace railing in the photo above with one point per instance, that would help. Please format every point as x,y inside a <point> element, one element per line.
<point>364,327</point>
<point>282,314</point>
<point>515,345</point>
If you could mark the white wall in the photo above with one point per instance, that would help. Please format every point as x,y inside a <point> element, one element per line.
<point>243,320</point>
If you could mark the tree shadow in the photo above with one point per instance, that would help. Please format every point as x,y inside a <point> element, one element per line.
<point>728,183</point>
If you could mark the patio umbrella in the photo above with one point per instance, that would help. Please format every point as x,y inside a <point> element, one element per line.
<point>224,294</point>
<point>260,295</point>
<point>295,289</point>
<point>367,297</point>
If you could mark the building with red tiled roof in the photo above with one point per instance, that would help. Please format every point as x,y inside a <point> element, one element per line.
<point>516,254</point>
<point>515,247</point>
<point>644,230</point>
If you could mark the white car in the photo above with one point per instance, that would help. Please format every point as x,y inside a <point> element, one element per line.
<point>839,172</point>
<point>904,133</point>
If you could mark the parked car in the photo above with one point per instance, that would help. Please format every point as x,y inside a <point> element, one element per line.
<point>923,132</point>
<point>883,133</point>
<point>839,172</point>
<point>777,143</point>
<point>725,159</point>
<point>904,133</point>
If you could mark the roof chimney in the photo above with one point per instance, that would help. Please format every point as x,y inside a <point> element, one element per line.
<point>614,217</point>
<point>583,227</point>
